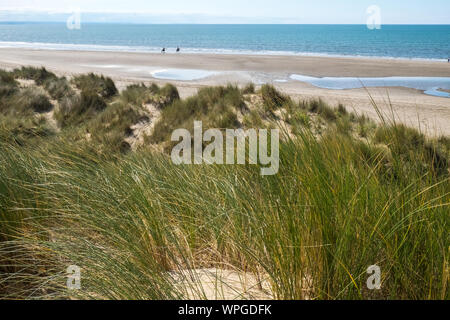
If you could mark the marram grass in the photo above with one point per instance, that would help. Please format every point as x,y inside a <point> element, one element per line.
<point>136,224</point>
<point>128,224</point>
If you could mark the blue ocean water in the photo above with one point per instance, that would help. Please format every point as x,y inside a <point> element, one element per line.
<point>393,41</point>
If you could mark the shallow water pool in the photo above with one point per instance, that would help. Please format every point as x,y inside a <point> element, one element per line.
<point>430,85</point>
<point>182,74</point>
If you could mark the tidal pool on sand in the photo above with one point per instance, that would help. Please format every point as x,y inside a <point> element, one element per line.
<point>430,85</point>
<point>182,74</point>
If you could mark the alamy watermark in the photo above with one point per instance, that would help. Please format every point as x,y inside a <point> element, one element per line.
<point>235,150</point>
<point>374,280</point>
<point>374,18</point>
<point>74,20</point>
<point>73,277</point>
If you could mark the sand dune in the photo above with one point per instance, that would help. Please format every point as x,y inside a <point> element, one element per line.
<point>413,107</point>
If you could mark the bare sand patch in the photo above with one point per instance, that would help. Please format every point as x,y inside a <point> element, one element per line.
<point>218,284</point>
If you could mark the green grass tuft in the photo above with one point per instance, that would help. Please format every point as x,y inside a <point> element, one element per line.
<point>272,98</point>
<point>77,109</point>
<point>216,107</point>
<point>101,85</point>
<point>28,100</point>
<point>39,75</point>
<point>249,89</point>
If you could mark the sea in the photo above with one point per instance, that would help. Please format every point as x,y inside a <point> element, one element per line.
<point>431,42</point>
<point>415,42</point>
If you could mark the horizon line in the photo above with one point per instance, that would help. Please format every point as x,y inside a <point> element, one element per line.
<point>218,24</point>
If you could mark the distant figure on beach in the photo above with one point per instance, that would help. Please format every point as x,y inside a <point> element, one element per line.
<point>178,49</point>
<point>163,51</point>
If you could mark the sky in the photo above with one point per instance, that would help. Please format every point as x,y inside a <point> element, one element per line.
<point>231,11</point>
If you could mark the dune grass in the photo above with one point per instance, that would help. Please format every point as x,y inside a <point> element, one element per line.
<point>215,106</point>
<point>39,75</point>
<point>139,94</point>
<point>135,222</point>
<point>31,99</point>
<point>101,85</point>
<point>111,126</point>
<point>59,88</point>
<point>272,98</point>
<point>22,131</point>
<point>22,102</point>
<point>78,109</point>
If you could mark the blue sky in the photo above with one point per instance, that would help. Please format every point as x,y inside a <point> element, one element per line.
<point>242,11</point>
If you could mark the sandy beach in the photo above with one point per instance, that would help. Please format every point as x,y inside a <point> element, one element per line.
<point>429,113</point>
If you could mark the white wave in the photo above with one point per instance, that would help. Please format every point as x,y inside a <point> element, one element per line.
<point>143,49</point>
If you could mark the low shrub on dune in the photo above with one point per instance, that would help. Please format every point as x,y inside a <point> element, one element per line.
<point>320,107</point>
<point>8,84</point>
<point>7,90</point>
<point>22,131</point>
<point>55,86</point>
<point>39,75</point>
<point>58,88</point>
<point>215,106</point>
<point>7,78</point>
<point>137,94</point>
<point>29,100</point>
<point>169,94</point>
<point>253,119</point>
<point>103,86</point>
<point>249,89</point>
<point>78,109</point>
<point>413,148</point>
<point>110,128</point>
<point>272,98</point>
<point>141,94</point>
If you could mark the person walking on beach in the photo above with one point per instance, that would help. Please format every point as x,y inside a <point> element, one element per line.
<point>178,49</point>
<point>163,51</point>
